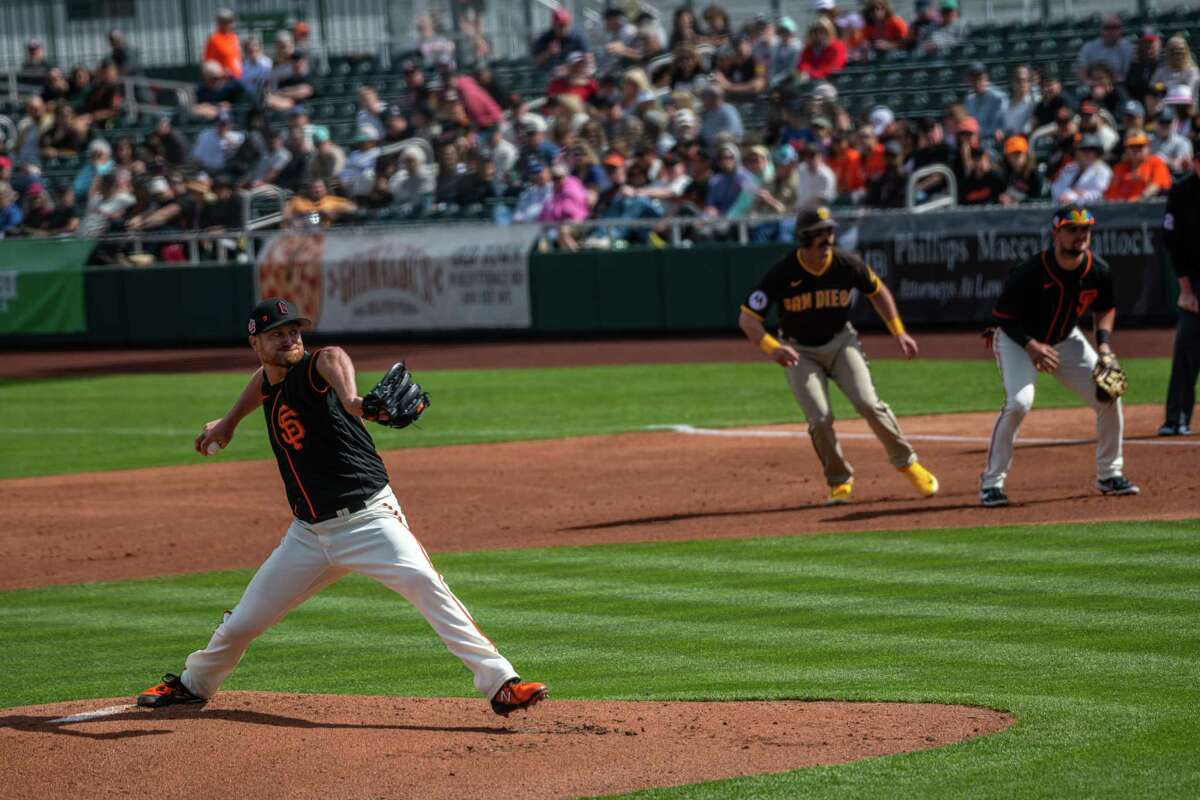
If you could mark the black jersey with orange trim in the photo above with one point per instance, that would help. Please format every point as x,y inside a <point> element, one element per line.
<point>814,304</point>
<point>1043,301</point>
<point>326,457</point>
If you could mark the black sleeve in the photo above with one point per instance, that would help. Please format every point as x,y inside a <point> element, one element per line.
<point>316,381</point>
<point>1176,234</point>
<point>862,277</point>
<point>1106,297</point>
<point>1011,309</point>
<point>768,290</point>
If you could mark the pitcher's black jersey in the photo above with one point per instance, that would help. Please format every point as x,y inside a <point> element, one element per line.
<point>325,455</point>
<point>1043,301</point>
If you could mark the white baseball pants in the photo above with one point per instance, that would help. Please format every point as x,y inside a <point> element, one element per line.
<point>375,542</point>
<point>1076,359</point>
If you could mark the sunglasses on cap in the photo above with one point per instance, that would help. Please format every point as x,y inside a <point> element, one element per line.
<point>1076,217</point>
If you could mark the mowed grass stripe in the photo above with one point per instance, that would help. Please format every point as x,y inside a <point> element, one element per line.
<point>1105,691</point>
<point>471,407</point>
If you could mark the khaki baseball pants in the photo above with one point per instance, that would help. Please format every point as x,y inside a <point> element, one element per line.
<point>842,359</point>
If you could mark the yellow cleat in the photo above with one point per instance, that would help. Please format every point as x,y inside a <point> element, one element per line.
<point>921,479</point>
<point>840,495</point>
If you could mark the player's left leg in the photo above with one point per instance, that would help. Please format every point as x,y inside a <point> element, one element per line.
<point>1185,367</point>
<point>1076,360</point>
<point>377,543</point>
<point>852,374</point>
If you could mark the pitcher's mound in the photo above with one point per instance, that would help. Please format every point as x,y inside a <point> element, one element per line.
<point>260,745</point>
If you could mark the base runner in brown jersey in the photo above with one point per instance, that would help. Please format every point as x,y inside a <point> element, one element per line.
<point>814,288</point>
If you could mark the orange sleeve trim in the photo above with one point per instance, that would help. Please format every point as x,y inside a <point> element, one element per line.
<point>755,314</point>
<point>311,365</point>
<point>1002,315</point>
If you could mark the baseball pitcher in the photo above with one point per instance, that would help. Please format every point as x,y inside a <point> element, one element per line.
<point>814,287</point>
<point>346,517</point>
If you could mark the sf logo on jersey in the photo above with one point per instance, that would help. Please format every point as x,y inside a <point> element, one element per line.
<point>291,431</point>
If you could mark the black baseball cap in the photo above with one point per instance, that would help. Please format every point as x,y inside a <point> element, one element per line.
<point>273,312</point>
<point>814,218</point>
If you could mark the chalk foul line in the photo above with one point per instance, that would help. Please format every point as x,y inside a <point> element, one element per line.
<point>86,715</point>
<point>758,433</point>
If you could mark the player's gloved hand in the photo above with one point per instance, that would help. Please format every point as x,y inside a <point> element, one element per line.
<point>397,400</point>
<point>1109,378</point>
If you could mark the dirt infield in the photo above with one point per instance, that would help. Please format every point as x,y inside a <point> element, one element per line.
<point>314,746</point>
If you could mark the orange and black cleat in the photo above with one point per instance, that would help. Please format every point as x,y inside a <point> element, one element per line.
<point>518,694</point>
<point>170,692</point>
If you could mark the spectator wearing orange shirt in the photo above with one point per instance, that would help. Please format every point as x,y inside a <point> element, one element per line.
<point>1140,175</point>
<point>846,163</point>
<point>884,29</point>
<point>224,47</point>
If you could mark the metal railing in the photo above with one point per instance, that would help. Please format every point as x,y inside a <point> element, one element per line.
<point>938,202</point>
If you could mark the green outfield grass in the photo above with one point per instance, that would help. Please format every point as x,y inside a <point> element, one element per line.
<point>1090,635</point>
<point>126,421</point>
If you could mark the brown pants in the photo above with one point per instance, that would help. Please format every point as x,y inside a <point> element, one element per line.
<point>842,359</point>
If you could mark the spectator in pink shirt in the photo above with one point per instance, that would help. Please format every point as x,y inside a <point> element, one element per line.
<point>824,54</point>
<point>568,203</point>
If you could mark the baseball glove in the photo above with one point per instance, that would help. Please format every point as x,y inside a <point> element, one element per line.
<point>399,396</point>
<point>1109,378</point>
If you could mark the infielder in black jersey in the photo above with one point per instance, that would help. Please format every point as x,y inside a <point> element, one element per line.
<point>346,518</point>
<point>814,287</point>
<point>1037,315</point>
<point>1181,233</point>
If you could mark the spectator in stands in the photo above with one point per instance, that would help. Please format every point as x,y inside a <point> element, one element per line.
<point>36,219</point>
<point>924,23</point>
<point>431,40</point>
<point>553,46</point>
<point>217,143</point>
<point>215,92</point>
<point>65,138</point>
<point>786,52</point>
<point>1139,175</point>
<point>536,193</point>
<point>985,103</point>
<point>951,30</point>
<point>10,211</point>
<point>272,163</point>
<point>317,206</point>
<point>1133,118</point>
<point>1051,102</point>
<point>651,38</point>
<point>1104,91</point>
<point>884,30</point>
<point>223,212</point>
<point>849,29</point>
<point>370,111</point>
<point>1110,48</point>
<point>35,66</point>
<point>816,182</point>
<point>1145,62</point>
<point>358,174</point>
<point>414,183</point>
<point>292,87</point>
<point>1178,68</point>
<point>121,54</point>
<point>125,157</point>
<point>79,82</point>
<point>1018,117</point>
<point>982,184</point>
<point>684,29</point>
<point>501,152</point>
<point>1086,179</point>
<point>717,28</point>
<point>577,80</point>
<point>731,189</point>
<point>1090,122</point>
<point>109,198</point>
<point>823,54</point>
<point>99,162</point>
<point>329,159</point>
<point>479,185</point>
<point>1022,180</point>
<point>718,117</point>
<point>778,195</point>
<point>301,39</point>
<point>37,121</point>
<point>620,42</point>
<point>1062,152</point>
<point>846,163</point>
<point>534,146</point>
<point>738,73</point>
<point>256,70</point>
<point>223,45</point>
<point>63,218</point>
<point>568,202</point>
<point>164,144</point>
<point>685,70</point>
<point>104,97</point>
<point>56,87</point>
<point>889,189</point>
<point>1166,143</point>
<point>487,80</point>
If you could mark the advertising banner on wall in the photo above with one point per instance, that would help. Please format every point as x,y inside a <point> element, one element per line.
<point>444,277</point>
<point>950,267</point>
<point>41,286</point>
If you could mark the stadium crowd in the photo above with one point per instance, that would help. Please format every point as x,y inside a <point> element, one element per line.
<point>643,125</point>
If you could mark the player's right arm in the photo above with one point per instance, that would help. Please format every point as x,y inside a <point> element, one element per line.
<point>758,302</point>
<point>221,430</point>
<point>1012,311</point>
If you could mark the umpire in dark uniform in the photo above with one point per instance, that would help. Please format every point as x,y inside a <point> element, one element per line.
<point>1181,232</point>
